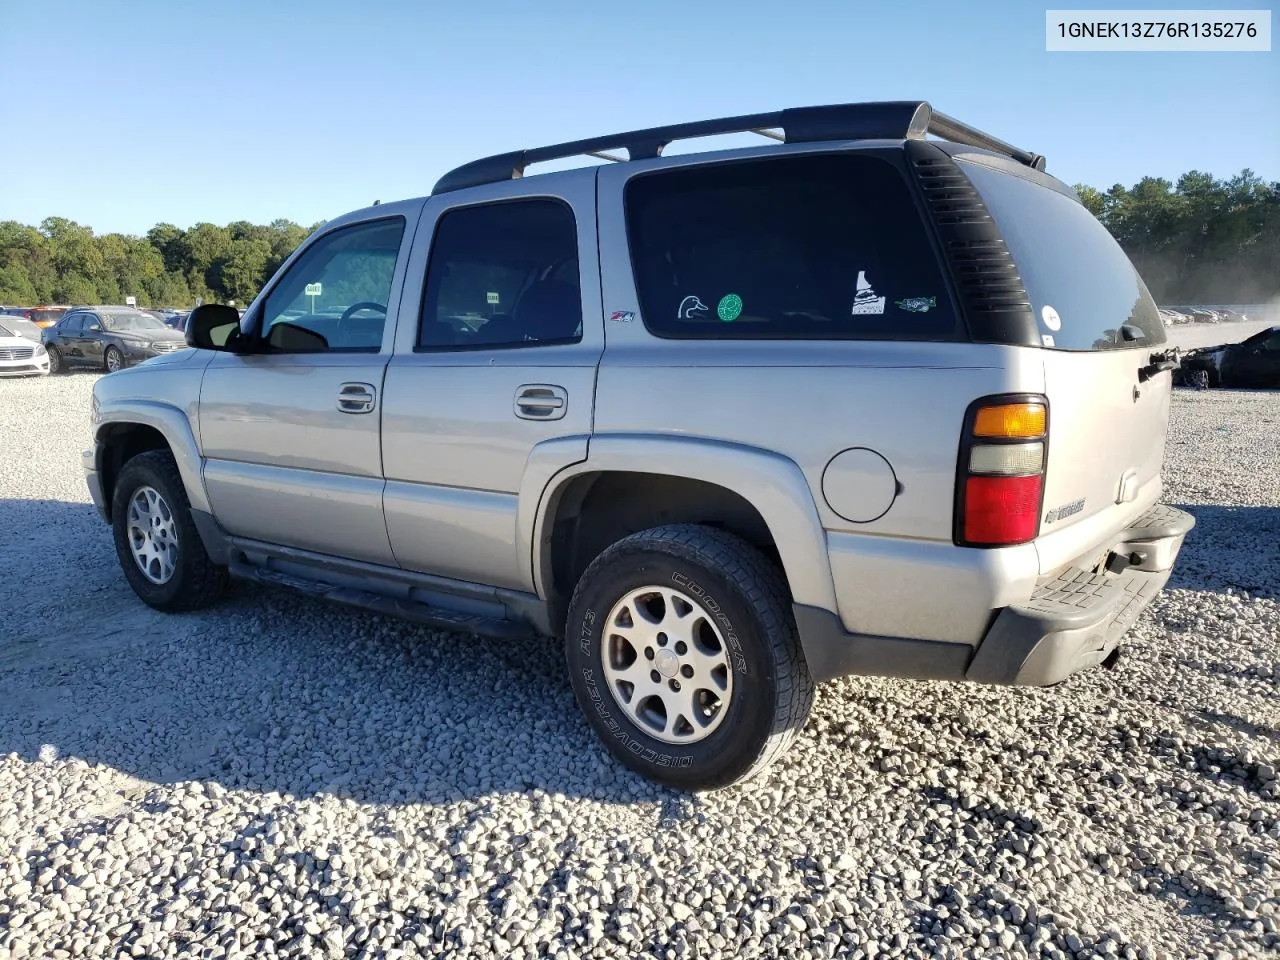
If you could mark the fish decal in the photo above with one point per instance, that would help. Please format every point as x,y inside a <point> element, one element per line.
<point>917,304</point>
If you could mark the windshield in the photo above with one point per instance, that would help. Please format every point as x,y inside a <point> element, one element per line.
<point>1081,283</point>
<point>17,327</point>
<point>132,321</point>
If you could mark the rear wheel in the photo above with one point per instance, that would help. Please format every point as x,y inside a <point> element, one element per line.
<point>56,364</point>
<point>685,658</point>
<point>156,540</point>
<point>113,360</point>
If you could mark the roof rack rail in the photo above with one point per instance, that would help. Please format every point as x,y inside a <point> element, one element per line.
<point>887,120</point>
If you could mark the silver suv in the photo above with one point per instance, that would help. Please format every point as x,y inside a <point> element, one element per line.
<point>854,401</point>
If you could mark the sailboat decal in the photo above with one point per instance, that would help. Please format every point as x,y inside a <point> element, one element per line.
<point>865,300</point>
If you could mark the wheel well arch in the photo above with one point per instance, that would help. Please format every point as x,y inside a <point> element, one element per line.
<point>118,443</point>
<point>593,510</point>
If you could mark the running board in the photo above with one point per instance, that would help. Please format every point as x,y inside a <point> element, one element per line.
<point>410,610</point>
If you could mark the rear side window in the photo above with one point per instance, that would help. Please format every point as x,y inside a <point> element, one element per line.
<point>503,275</point>
<point>812,247</point>
<point>1084,289</point>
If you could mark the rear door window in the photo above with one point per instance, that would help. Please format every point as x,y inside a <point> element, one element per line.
<point>503,275</point>
<point>1084,289</point>
<point>810,247</point>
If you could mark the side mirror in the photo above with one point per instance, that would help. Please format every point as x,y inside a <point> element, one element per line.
<point>213,326</point>
<point>94,327</point>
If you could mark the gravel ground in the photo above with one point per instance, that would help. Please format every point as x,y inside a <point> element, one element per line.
<point>281,777</point>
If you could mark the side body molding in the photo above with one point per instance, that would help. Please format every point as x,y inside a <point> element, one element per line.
<point>172,422</point>
<point>773,484</point>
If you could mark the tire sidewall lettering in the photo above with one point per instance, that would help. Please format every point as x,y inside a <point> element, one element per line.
<point>716,609</point>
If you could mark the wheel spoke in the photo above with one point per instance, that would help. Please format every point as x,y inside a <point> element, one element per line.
<point>630,623</point>
<point>677,612</point>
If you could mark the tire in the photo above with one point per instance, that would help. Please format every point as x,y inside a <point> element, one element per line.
<point>744,601</point>
<point>56,363</point>
<point>195,581</point>
<point>112,360</point>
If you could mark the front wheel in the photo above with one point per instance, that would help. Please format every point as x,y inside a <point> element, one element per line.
<point>684,655</point>
<point>55,360</point>
<point>113,360</point>
<point>156,540</point>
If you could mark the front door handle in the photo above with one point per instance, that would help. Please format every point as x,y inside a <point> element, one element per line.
<point>356,397</point>
<point>541,401</point>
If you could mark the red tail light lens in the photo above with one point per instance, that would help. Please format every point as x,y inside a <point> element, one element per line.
<point>1001,510</point>
<point>1000,475</point>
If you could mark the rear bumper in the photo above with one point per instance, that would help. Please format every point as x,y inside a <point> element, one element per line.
<point>1069,623</point>
<point>1077,619</point>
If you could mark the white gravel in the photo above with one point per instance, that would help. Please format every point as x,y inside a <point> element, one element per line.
<point>281,777</point>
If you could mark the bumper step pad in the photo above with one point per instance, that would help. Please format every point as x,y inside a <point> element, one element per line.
<point>1074,598</point>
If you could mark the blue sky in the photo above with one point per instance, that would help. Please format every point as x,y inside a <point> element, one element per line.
<point>122,114</point>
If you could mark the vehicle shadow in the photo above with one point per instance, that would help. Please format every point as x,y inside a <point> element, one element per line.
<point>1215,555</point>
<point>272,691</point>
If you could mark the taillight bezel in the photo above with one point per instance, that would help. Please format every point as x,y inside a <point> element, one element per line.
<point>968,441</point>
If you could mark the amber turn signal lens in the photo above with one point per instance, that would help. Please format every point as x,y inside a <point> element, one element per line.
<point>1010,420</point>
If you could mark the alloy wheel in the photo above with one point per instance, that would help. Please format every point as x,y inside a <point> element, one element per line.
<point>666,664</point>
<point>153,535</point>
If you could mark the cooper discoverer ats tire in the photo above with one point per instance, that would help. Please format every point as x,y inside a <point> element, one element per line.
<point>684,655</point>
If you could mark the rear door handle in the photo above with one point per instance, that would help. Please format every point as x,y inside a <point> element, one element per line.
<point>356,397</point>
<point>541,401</point>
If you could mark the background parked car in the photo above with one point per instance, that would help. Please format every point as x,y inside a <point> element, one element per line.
<point>1252,363</point>
<point>19,356</point>
<point>46,315</point>
<point>19,326</point>
<point>108,337</point>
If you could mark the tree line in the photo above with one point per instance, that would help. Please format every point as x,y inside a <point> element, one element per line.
<point>1201,240</point>
<point>62,261</point>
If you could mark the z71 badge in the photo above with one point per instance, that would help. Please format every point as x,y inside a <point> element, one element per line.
<point>1064,511</point>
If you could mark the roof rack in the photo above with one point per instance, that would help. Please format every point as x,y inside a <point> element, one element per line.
<point>887,120</point>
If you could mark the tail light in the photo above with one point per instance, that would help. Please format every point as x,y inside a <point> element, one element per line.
<point>1000,475</point>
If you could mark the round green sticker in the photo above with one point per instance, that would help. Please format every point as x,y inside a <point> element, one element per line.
<point>730,307</point>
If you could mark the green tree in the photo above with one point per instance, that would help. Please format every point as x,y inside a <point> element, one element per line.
<point>245,271</point>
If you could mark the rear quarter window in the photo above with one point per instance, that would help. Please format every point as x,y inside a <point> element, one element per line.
<point>1081,283</point>
<point>811,247</point>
